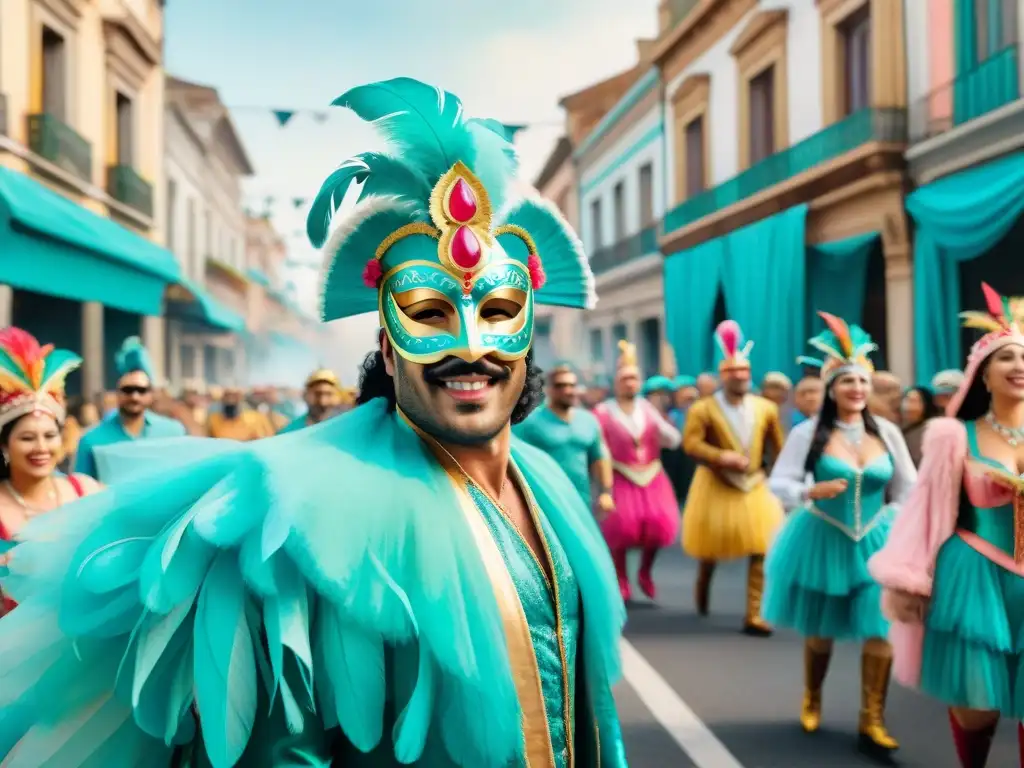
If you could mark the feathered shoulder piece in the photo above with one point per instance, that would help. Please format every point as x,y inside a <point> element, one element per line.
<point>843,346</point>
<point>32,376</point>
<point>442,195</point>
<point>733,349</point>
<point>1001,322</point>
<point>133,356</point>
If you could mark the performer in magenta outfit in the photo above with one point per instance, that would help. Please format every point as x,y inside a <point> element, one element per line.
<point>646,513</point>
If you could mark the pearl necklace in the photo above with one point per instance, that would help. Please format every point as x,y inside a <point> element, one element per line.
<point>1012,435</point>
<point>20,500</point>
<point>852,432</point>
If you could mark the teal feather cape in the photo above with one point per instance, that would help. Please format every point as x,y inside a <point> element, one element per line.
<point>193,581</point>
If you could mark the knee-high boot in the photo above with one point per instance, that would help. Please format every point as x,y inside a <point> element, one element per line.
<point>702,589</point>
<point>644,577</point>
<point>816,661</point>
<point>873,737</point>
<point>753,624</point>
<point>972,745</point>
<point>619,559</point>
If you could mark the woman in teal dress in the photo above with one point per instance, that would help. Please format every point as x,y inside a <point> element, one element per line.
<point>953,569</point>
<point>835,472</point>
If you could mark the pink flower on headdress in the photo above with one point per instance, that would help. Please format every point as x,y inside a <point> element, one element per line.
<point>537,276</point>
<point>372,273</point>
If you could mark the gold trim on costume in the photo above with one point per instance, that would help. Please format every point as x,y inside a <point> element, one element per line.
<point>539,751</point>
<point>724,428</point>
<point>415,228</point>
<point>522,234</point>
<point>638,474</point>
<point>742,481</point>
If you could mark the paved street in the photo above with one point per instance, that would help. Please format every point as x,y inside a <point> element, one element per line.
<point>747,691</point>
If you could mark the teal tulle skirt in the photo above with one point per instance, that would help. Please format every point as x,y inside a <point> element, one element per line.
<point>817,580</point>
<point>973,653</point>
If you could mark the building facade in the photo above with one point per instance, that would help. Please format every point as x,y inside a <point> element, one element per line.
<point>206,229</point>
<point>966,160</point>
<point>621,189</point>
<point>786,128</point>
<point>81,148</point>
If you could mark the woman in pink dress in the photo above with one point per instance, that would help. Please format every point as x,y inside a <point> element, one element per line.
<point>646,515</point>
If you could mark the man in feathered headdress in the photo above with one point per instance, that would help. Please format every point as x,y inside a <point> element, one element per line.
<point>729,510</point>
<point>134,419</point>
<point>407,583</point>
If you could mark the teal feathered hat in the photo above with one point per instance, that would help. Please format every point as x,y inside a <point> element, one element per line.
<point>684,382</point>
<point>440,210</point>
<point>658,384</point>
<point>845,348</point>
<point>132,357</point>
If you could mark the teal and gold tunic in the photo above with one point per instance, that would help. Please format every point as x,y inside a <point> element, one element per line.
<point>403,621</point>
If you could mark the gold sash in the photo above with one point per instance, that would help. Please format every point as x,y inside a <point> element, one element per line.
<point>638,474</point>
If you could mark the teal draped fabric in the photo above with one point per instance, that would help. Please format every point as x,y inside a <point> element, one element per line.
<point>958,218</point>
<point>692,280</point>
<point>765,280</point>
<point>985,79</point>
<point>837,278</point>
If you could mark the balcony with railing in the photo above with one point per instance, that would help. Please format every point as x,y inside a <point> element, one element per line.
<point>886,126</point>
<point>626,250</point>
<point>58,143</point>
<point>992,84</point>
<point>126,186</point>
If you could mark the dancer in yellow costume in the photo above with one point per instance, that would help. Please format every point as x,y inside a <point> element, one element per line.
<point>729,510</point>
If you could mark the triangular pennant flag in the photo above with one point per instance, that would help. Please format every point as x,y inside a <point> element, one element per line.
<point>298,202</point>
<point>283,116</point>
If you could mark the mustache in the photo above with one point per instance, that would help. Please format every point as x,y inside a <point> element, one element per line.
<point>451,367</point>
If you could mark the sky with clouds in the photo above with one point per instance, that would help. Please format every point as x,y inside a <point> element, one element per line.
<point>510,61</point>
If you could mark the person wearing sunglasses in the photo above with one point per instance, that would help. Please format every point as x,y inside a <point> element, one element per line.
<point>134,420</point>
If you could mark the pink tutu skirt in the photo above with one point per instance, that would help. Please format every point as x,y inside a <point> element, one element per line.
<point>644,517</point>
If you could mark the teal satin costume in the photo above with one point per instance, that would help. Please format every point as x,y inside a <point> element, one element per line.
<point>210,584</point>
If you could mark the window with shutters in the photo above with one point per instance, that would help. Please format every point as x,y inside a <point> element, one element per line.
<point>646,195</point>
<point>596,225</point>
<point>855,34</point>
<point>762,116</point>
<point>696,178</point>
<point>619,211</point>
<point>54,74</point>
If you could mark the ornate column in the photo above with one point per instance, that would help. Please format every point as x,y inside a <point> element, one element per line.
<point>899,296</point>
<point>92,349</point>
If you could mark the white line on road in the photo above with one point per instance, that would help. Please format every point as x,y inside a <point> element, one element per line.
<point>678,720</point>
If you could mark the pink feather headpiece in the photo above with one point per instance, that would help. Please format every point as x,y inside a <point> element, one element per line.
<point>1002,325</point>
<point>734,351</point>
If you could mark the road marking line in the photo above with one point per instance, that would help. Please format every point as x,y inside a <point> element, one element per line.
<point>672,713</point>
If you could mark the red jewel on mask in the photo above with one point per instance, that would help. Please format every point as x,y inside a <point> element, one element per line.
<point>465,249</point>
<point>462,205</point>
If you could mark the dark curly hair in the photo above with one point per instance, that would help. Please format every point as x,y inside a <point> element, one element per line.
<point>375,382</point>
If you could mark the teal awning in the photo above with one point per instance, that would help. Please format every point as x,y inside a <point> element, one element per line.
<point>205,309</point>
<point>53,246</point>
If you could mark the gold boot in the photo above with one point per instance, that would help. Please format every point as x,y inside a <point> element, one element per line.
<point>702,589</point>
<point>873,739</point>
<point>753,624</point>
<point>815,668</point>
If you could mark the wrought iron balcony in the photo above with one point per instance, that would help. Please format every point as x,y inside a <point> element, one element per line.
<point>126,186</point>
<point>992,84</point>
<point>629,248</point>
<point>52,140</point>
<point>867,125</point>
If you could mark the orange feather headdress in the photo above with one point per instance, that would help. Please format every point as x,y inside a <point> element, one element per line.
<point>845,347</point>
<point>32,376</point>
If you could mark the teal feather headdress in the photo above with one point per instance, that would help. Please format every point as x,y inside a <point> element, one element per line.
<point>133,357</point>
<point>443,173</point>
<point>844,347</point>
